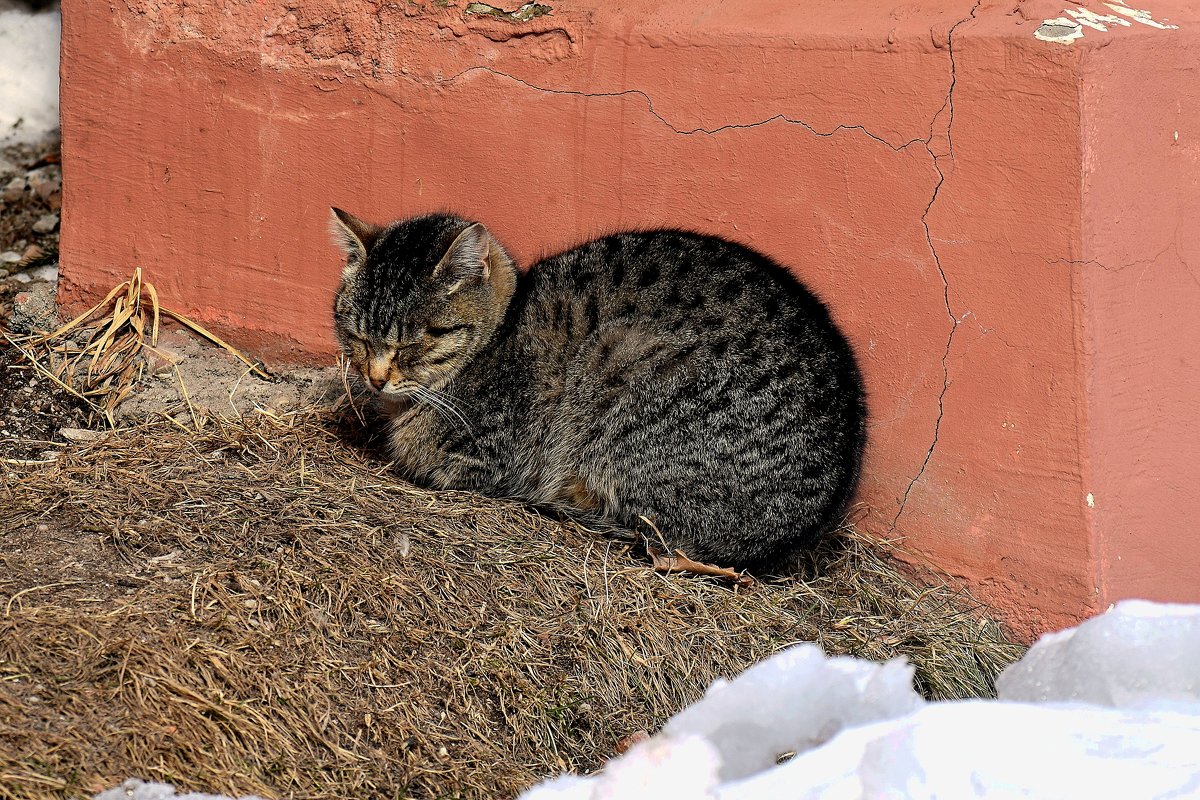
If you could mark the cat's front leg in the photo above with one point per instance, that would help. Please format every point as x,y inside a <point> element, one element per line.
<point>425,453</point>
<point>465,473</point>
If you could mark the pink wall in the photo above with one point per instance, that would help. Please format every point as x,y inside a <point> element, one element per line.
<point>956,234</point>
<point>1141,298</point>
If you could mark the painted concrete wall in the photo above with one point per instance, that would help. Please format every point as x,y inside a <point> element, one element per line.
<point>1141,301</point>
<point>996,220</point>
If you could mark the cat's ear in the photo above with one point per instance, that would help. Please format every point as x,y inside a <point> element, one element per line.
<point>467,259</point>
<point>353,235</point>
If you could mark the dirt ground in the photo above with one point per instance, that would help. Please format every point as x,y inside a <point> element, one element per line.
<point>30,202</point>
<point>30,189</point>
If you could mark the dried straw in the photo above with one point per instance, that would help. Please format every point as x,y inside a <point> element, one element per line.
<point>101,354</point>
<point>257,606</point>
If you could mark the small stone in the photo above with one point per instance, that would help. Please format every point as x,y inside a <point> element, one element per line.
<point>80,434</point>
<point>44,180</point>
<point>14,189</point>
<point>8,168</point>
<point>33,309</point>
<point>46,272</point>
<point>46,224</point>
<point>162,360</point>
<point>10,257</point>
<point>47,188</point>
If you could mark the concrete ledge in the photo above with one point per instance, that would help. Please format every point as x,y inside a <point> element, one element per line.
<point>1003,224</point>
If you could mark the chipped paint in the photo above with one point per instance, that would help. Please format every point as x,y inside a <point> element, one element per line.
<point>1099,22</point>
<point>1091,500</point>
<point>523,14</point>
<point>1061,30</point>
<point>1142,16</point>
<point>1066,30</point>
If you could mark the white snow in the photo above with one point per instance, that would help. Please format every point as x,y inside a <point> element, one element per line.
<point>792,703</point>
<point>28,75</point>
<point>1108,709</point>
<point>1137,654</point>
<point>996,750</point>
<point>140,790</point>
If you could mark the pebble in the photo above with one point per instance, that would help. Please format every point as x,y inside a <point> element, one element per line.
<point>46,272</point>
<point>9,257</point>
<point>14,189</point>
<point>8,168</point>
<point>80,435</point>
<point>46,223</point>
<point>44,181</point>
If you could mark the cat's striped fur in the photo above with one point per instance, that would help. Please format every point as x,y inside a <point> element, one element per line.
<point>661,374</point>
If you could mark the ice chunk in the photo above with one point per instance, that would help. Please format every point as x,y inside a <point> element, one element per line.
<point>793,702</point>
<point>860,731</point>
<point>1139,654</point>
<point>659,768</point>
<point>133,789</point>
<point>996,750</point>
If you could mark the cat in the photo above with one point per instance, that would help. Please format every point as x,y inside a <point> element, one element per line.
<point>660,377</point>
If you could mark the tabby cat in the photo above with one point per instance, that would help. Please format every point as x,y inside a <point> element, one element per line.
<point>663,375</point>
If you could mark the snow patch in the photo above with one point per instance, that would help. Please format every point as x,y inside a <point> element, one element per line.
<point>28,75</point>
<point>792,703</point>
<point>1114,702</point>
<point>1138,654</point>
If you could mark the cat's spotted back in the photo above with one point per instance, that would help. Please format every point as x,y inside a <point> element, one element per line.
<point>663,375</point>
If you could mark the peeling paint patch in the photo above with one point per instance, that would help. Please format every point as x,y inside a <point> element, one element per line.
<point>1091,500</point>
<point>1065,30</point>
<point>1099,22</point>
<point>1142,16</point>
<point>523,14</point>
<point>1061,30</point>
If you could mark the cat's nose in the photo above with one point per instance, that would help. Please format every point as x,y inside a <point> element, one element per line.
<point>377,382</point>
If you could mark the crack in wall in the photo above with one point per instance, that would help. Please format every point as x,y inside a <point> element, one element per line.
<point>699,130</point>
<point>1092,262</point>
<point>948,107</point>
<point>925,143</point>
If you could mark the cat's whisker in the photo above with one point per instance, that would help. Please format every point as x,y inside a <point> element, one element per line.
<point>451,412</point>
<point>418,393</point>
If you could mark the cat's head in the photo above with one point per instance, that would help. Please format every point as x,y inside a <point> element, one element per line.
<point>418,298</point>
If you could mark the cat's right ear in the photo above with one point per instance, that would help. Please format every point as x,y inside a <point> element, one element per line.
<point>353,235</point>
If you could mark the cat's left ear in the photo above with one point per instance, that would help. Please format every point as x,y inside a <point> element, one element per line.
<point>353,235</point>
<point>473,256</point>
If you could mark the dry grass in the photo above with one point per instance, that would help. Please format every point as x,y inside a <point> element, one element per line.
<point>101,354</point>
<point>258,606</point>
